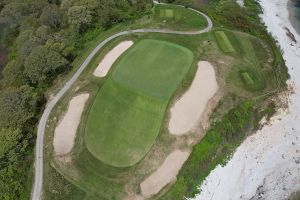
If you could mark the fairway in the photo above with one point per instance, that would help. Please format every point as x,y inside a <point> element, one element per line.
<point>223,42</point>
<point>128,111</point>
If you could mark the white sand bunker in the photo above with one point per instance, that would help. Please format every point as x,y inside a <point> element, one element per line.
<point>66,130</point>
<point>187,111</point>
<point>165,174</point>
<point>107,62</point>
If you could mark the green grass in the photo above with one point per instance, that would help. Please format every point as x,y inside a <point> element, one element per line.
<point>169,13</point>
<point>128,111</point>
<point>251,79</point>
<point>153,67</point>
<point>223,42</point>
<point>178,17</point>
<point>247,78</point>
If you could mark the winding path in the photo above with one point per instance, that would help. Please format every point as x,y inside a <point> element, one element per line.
<point>38,175</point>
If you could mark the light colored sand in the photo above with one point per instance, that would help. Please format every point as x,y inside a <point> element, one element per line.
<point>107,62</point>
<point>267,164</point>
<point>65,132</point>
<point>187,111</point>
<point>165,174</point>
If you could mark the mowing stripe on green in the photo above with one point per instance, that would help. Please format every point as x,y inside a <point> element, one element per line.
<point>128,111</point>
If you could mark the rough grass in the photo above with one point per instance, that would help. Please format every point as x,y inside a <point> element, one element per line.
<point>178,17</point>
<point>252,71</point>
<point>128,111</point>
<point>247,78</point>
<point>251,79</point>
<point>223,42</point>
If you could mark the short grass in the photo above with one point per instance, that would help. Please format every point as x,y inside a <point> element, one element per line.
<point>178,17</point>
<point>128,111</point>
<point>153,67</point>
<point>122,125</point>
<point>223,42</point>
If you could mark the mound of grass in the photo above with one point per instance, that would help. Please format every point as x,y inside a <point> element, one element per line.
<point>223,42</point>
<point>178,17</point>
<point>128,111</point>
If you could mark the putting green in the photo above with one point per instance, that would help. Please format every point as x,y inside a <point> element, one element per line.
<point>153,67</point>
<point>128,111</point>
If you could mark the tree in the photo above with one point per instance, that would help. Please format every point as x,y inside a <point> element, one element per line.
<point>17,106</point>
<point>9,138</point>
<point>43,64</point>
<point>43,33</point>
<point>51,16</point>
<point>79,17</point>
<point>28,47</point>
<point>13,74</point>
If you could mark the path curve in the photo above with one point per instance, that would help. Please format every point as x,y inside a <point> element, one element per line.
<point>38,174</point>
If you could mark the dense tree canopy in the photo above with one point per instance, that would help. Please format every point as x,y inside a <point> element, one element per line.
<point>42,64</point>
<point>13,74</point>
<point>17,106</point>
<point>79,17</point>
<point>9,138</point>
<point>51,16</point>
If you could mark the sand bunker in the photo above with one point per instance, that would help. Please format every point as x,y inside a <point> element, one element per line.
<point>187,111</point>
<point>66,130</point>
<point>107,62</point>
<point>165,174</point>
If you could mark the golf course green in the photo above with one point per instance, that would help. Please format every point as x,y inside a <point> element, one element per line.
<point>177,17</point>
<point>128,111</point>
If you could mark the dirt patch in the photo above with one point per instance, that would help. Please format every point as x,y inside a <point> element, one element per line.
<point>107,62</point>
<point>187,111</point>
<point>65,132</point>
<point>165,174</point>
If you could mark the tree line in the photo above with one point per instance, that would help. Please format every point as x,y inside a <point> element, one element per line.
<point>44,37</point>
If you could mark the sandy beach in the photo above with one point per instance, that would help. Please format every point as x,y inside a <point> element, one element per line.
<point>267,164</point>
